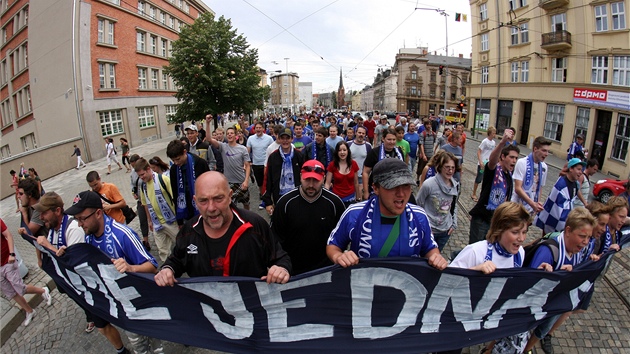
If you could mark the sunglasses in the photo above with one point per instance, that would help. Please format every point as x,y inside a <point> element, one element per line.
<point>315,169</point>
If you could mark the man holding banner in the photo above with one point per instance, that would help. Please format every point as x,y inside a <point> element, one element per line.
<point>364,225</point>
<point>126,252</point>
<point>211,244</point>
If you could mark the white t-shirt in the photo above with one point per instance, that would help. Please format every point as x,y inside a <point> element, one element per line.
<point>475,254</point>
<point>486,148</point>
<point>519,174</point>
<point>74,234</point>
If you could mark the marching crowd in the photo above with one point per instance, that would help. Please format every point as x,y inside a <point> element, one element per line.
<point>349,179</point>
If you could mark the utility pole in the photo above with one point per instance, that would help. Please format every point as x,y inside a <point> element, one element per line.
<point>288,82</point>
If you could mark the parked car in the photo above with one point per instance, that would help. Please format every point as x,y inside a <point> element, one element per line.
<point>604,189</point>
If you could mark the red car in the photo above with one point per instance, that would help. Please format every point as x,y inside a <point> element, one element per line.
<point>604,189</point>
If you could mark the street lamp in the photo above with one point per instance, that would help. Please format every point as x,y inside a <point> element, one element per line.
<point>288,82</point>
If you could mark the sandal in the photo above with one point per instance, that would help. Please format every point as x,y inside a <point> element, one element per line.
<point>474,198</point>
<point>90,327</point>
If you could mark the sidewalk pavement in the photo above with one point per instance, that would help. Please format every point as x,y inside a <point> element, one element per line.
<point>605,327</point>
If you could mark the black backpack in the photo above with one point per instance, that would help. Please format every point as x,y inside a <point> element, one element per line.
<point>547,240</point>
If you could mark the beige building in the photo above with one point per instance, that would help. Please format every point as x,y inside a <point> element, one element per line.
<point>559,68</point>
<point>75,72</point>
<point>422,91</point>
<point>285,92</point>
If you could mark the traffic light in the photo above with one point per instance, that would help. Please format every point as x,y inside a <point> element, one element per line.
<point>441,69</point>
<point>460,106</point>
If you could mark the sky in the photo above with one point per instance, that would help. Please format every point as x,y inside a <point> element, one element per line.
<point>320,37</point>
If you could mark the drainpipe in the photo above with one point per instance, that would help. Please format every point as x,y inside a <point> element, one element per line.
<point>498,62</point>
<point>74,77</point>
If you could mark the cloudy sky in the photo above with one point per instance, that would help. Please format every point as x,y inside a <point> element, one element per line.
<point>321,36</point>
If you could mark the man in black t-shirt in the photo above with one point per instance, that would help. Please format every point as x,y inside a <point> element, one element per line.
<point>387,149</point>
<point>496,188</point>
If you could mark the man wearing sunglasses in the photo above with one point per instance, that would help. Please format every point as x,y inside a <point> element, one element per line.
<point>122,245</point>
<point>31,222</point>
<point>304,217</point>
<point>385,225</point>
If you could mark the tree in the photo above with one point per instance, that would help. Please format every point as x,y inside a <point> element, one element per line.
<point>334,100</point>
<point>214,70</point>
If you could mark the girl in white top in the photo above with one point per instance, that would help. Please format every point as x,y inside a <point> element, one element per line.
<point>501,249</point>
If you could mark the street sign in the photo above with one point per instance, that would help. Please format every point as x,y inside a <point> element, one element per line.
<point>462,97</point>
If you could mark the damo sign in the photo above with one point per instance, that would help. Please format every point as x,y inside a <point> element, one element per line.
<point>606,98</point>
<point>590,94</point>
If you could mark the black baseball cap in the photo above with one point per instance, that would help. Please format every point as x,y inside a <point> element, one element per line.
<point>85,200</point>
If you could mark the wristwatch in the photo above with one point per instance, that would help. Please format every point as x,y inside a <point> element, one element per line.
<point>12,254</point>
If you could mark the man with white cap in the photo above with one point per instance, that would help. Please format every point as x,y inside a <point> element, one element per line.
<point>385,225</point>
<point>197,146</point>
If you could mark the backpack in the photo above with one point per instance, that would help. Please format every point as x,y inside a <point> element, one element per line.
<point>547,240</point>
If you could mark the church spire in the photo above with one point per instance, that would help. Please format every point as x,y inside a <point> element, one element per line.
<point>340,78</point>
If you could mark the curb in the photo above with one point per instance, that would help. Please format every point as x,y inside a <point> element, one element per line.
<point>13,319</point>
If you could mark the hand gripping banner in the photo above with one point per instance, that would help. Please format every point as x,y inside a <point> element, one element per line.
<point>403,305</point>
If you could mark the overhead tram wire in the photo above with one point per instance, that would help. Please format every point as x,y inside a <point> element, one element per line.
<point>302,19</point>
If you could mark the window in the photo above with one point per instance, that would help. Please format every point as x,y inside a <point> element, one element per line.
<point>514,35</point>
<point>432,92</point>
<point>20,20</point>
<point>153,44</point>
<point>164,47</point>
<point>146,117</point>
<point>559,70</point>
<point>601,18</point>
<point>105,31</point>
<point>29,142</point>
<point>618,14</point>
<point>152,11</point>
<point>524,71</point>
<point>171,110</point>
<point>414,90</point>
<point>140,45</point>
<point>5,111</point>
<point>111,122</point>
<point>554,121</point>
<point>142,78</point>
<point>163,17</point>
<point>453,95</point>
<point>581,121</point>
<point>22,99</point>
<point>514,71</point>
<point>5,151</point>
<point>19,57</point>
<point>154,79</point>
<point>414,75</point>
<point>172,23</point>
<point>141,5</point>
<point>599,73</point>
<point>433,76</point>
<point>165,82</point>
<point>484,42</point>
<point>559,22</point>
<point>622,138</point>
<point>107,75</point>
<point>483,12</point>
<point>515,4</point>
<point>485,74</point>
<point>524,33</point>
<point>621,71</point>
<point>4,72</point>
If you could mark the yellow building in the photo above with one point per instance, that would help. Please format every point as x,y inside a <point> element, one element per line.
<point>555,68</point>
<point>285,92</point>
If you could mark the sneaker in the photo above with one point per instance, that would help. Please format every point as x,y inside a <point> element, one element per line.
<point>46,295</point>
<point>29,317</point>
<point>261,206</point>
<point>546,345</point>
<point>90,327</point>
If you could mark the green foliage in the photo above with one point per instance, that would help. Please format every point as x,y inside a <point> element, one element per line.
<point>215,70</point>
<point>334,100</point>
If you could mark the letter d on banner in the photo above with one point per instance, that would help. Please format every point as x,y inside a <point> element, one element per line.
<point>362,283</point>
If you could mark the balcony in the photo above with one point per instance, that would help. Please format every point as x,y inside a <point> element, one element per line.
<point>558,40</point>
<point>552,4</point>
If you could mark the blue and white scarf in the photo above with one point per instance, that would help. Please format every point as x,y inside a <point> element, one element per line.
<point>61,237</point>
<point>315,153</point>
<point>498,190</point>
<point>528,181</point>
<point>562,255</point>
<point>369,222</point>
<point>383,155</point>
<point>430,172</point>
<point>502,252</point>
<point>165,209</point>
<point>181,211</point>
<point>287,180</point>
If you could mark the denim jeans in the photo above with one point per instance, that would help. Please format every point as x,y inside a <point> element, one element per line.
<point>478,230</point>
<point>441,238</point>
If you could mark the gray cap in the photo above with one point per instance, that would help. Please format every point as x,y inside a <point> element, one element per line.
<point>391,172</point>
